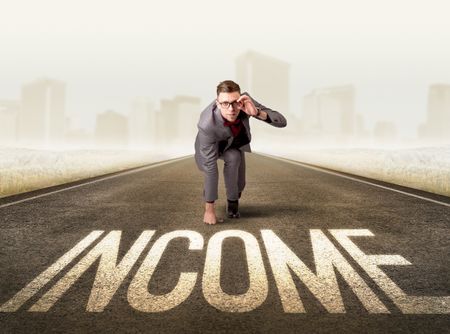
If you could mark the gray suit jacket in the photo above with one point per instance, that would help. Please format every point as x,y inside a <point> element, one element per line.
<point>214,137</point>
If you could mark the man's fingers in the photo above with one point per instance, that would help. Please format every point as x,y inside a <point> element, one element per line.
<point>219,220</point>
<point>209,222</point>
<point>243,97</point>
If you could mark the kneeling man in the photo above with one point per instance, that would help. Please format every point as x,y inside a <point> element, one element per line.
<point>224,133</point>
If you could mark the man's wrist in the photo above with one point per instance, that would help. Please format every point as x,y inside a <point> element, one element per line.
<point>209,206</point>
<point>261,114</point>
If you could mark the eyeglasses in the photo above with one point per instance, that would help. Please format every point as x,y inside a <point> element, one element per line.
<point>227,104</point>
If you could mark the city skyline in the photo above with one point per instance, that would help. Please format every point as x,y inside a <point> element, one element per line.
<point>328,115</point>
<point>297,112</point>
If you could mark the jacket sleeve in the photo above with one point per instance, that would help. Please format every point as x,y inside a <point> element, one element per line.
<point>208,155</point>
<point>274,117</point>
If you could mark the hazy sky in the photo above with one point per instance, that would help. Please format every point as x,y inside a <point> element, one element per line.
<point>110,51</point>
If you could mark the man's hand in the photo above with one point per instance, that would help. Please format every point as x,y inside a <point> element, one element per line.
<point>247,105</point>
<point>210,214</point>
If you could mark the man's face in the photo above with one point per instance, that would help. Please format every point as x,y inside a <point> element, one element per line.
<point>230,112</point>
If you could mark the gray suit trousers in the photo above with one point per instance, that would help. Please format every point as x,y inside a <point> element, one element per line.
<point>233,172</point>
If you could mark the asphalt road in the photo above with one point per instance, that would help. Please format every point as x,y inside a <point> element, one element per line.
<point>286,205</point>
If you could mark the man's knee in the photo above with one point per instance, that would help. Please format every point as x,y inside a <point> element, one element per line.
<point>232,156</point>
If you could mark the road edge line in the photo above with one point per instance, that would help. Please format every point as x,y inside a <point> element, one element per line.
<point>323,170</point>
<point>99,179</point>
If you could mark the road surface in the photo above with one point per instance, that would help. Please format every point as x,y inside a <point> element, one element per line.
<point>313,251</point>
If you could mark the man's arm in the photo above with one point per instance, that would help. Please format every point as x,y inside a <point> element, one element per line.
<point>208,154</point>
<point>268,115</point>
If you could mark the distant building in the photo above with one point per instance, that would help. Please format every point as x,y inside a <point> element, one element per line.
<point>78,138</point>
<point>41,120</point>
<point>385,132</point>
<point>330,114</point>
<point>9,111</point>
<point>177,120</point>
<point>142,123</point>
<point>266,79</point>
<point>360,129</point>
<point>167,120</point>
<point>111,130</point>
<point>437,125</point>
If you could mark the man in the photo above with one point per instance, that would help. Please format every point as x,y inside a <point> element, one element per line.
<point>224,133</point>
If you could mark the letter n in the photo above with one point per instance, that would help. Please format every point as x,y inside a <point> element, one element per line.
<point>109,274</point>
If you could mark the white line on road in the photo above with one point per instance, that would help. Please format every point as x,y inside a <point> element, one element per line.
<point>139,169</point>
<point>352,178</point>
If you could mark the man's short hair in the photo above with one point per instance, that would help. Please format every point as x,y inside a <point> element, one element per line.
<point>228,86</point>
